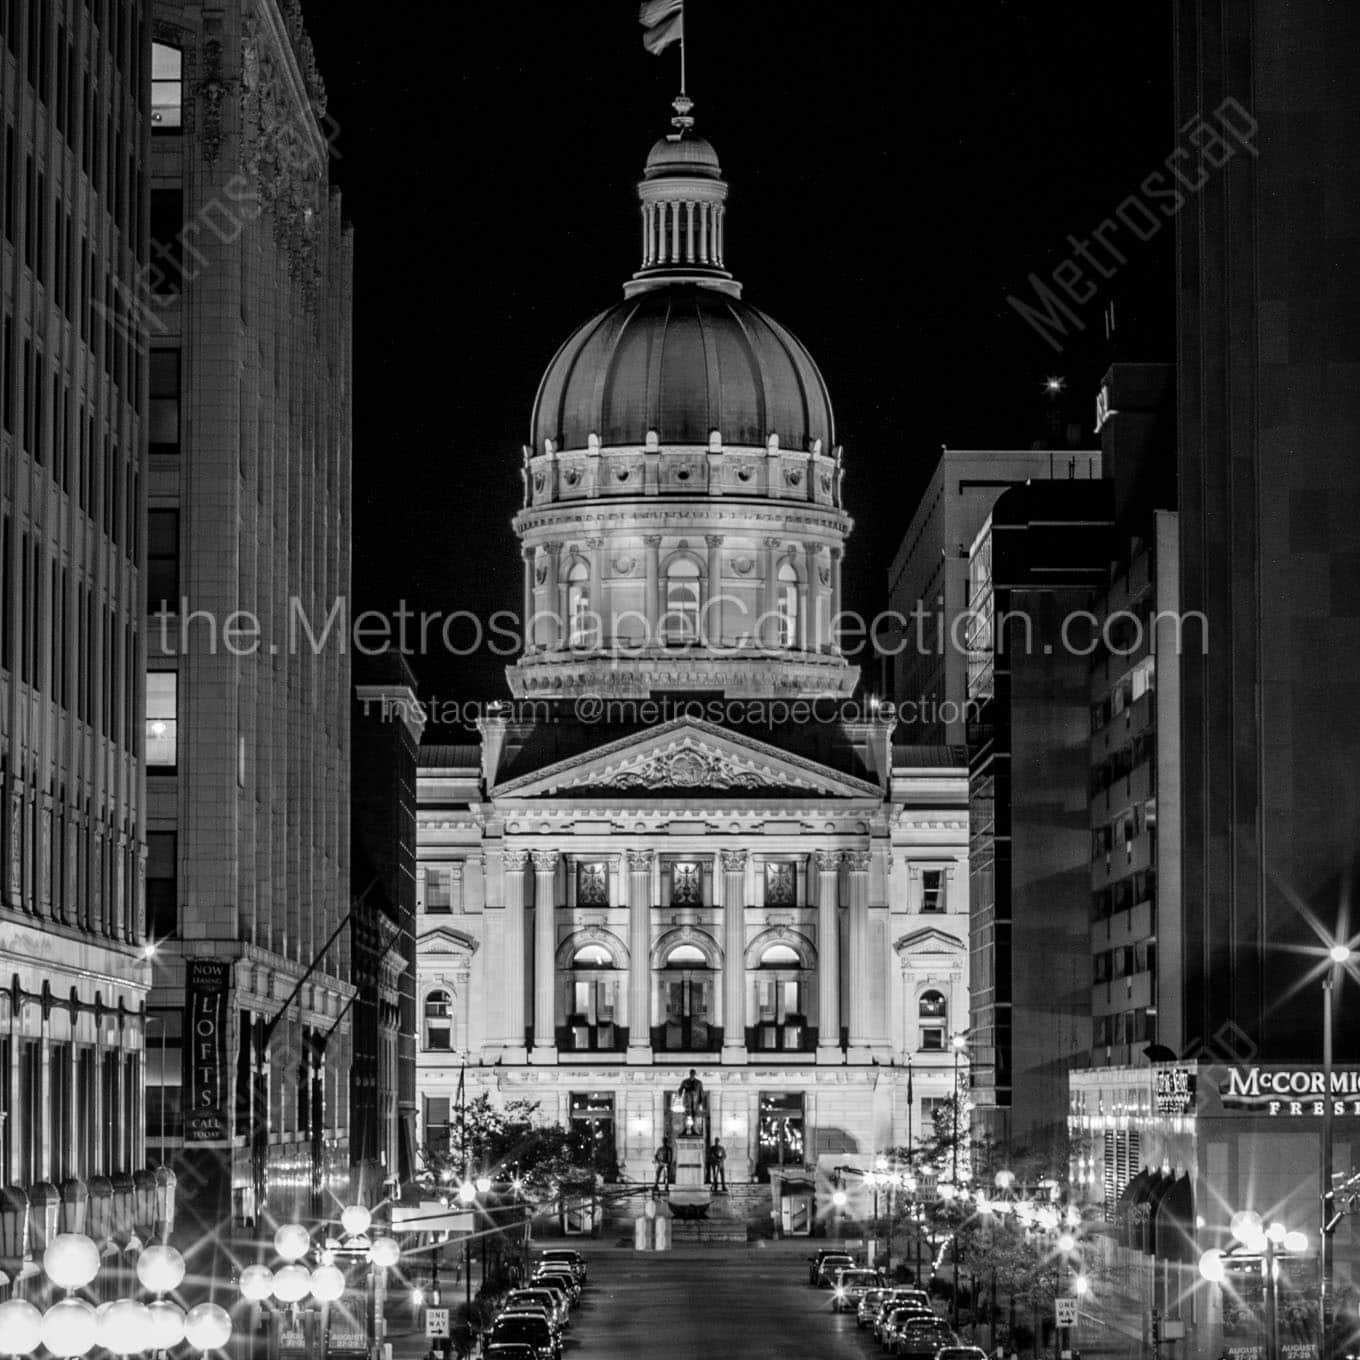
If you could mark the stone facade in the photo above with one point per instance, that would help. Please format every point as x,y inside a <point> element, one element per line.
<point>249,482</point>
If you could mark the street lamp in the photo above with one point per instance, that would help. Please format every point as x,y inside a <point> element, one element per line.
<point>72,1326</point>
<point>1338,956</point>
<point>959,1043</point>
<point>1254,1240</point>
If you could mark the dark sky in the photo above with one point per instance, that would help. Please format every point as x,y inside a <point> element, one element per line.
<point>897,170</point>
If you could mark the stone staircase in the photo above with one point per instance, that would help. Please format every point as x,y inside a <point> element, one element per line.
<point>739,1215</point>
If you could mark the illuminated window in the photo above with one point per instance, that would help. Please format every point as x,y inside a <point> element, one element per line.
<point>438,890</point>
<point>592,884</point>
<point>167,88</point>
<point>162,720</point>
<point>933,1016</point>
<point>681,623</point>
<point>781,884</point>
<point>164,423</point>
<point>932,890</point>
<point>439,1022</point>
<point>578,603</point>
<point>787,598</point>
<point>687,885</point>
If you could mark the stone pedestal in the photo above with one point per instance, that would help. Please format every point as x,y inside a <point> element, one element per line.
<point>689,1195</point>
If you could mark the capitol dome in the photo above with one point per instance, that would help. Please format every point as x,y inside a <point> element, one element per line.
<point>683,360</point>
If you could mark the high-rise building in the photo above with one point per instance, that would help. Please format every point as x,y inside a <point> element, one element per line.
<point>1034,566</point>
<point>1268,364</point>
<point>73,414</point>
<point>724,863</point>
<point>248,690</point>
<point>386,728</point>
<point>928,579</point>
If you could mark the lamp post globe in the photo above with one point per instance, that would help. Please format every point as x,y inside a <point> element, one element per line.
<point>355,1220</point>
<point>69,1328</point>
<point>71,1260</point>
<point>207,1327</point>
<point>20,1327</point>
<point>256,1283</point>
<point>1211,1266</point>
<point>124,1326</point>
<point>167,1324</point>
<point>161,1269</point>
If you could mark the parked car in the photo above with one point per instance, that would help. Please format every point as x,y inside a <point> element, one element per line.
<point>920,1338</point>
<point>869,1303</point>
<point>960,1353</point>
<point>530,1329</point>
<point>843,1258</point>
<point>557,1279</point>
<point>545,1298</point>
<point>895,1313</point>
<point>539,1308</point>
<point>566,1256</point>
<point>509,1350</point>
<point>826,1272</point>
<point>849,1286</point>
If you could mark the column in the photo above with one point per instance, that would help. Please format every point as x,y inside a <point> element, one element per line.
<point>703,232</point>
<point>835,598</point>
<point>734,956</point>
<point>545,955</point>
<point>689,232</point>
<point>598,633</point>
<point>769,629</point>
<point>860,999</point>
<point>713,620</point>
<point>642,213</point>
<point>828,957</point>
<point>640,956</point>
<point>675,232</point>
<point>814,639</point>
<point>515,862</point>
<point>652,542</point>
<point>557,633</point>
<point>525,625</point>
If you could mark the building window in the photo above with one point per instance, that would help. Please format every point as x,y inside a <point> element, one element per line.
<point>687,885</point>
<point>932,890</point>
<point>681,622</point>
<point>932,1013</point>
<point>162,886</point>
<point>592,883</point>
<point>437,1126</point>
<point>167,88</point>
<point>787,599</point>
<point>439,1022</point>
<point>781,884</point>
<point>687,997</point>
<point>162,721</point>
<point>438,891</point>
<point>781,1021</point>
<point>592,1118</point>
<point>163,424</point>
<point>162,561</point>
<point>780,1140</point>
<point>578,604</point>
<point>166,225</point>
<point>933,1110</point>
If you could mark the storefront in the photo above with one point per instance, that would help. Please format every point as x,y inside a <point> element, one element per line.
<point>1166,1155</point>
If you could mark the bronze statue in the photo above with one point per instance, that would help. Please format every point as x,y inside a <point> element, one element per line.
<point>692,1098</point>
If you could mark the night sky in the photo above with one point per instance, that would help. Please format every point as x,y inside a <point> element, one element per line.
<point>896,170</point>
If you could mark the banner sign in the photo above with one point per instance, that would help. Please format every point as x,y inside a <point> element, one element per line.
<point>1174,1091</point>
<point>207,984</point>
<point>1286,1091</point>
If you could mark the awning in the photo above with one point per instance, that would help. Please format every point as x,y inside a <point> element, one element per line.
<point>1173,1226</point>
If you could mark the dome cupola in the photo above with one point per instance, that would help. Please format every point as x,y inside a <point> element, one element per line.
<point>683,525</point>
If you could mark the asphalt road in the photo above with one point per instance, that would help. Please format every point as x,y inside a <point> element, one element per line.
<point>711,1303</point>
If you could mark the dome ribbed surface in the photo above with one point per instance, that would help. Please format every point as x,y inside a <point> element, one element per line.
<point>683,155</point>
<point>683,360</point>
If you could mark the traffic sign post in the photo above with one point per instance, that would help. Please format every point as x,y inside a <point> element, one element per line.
<point>1065,1312</point>
<point>437,1323</point>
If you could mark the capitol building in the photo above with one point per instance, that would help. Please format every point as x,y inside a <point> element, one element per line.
<point>684,843</point>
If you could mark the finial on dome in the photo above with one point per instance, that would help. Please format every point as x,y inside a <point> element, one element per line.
<point>682,104</point>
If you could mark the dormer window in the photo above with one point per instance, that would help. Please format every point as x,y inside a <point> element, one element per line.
<point>681,624</point>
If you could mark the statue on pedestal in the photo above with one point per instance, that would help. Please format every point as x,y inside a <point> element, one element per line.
<point>692,1099</point>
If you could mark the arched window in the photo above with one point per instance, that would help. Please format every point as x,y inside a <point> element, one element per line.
<point>686,956</point>
<point>167,88</point>
<point>592,1001</point>
<point>787,604</point>
<point>578,603</point>
<point>933,1013</point>
<point>781,1023</point>
<point>687,990</point>
<point>439,1021</point>
<point>592,956</point>
<point>681,623</point>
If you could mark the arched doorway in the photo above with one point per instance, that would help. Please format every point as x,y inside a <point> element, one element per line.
<point>688,985</point>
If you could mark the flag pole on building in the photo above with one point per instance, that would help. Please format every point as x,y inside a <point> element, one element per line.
<point>663,22</point>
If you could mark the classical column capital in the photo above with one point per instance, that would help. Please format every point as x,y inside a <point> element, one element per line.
<point>638,860</point>
<point>515,859</point>
<point>552,547</point>
<point>651,540</point>
<point>734,861</point>
<point>714,540</point>
<point>545,861</point>
<point>858,860</point>
<point>593,543</point>
<point>772,542</point>
<point>828,861</point>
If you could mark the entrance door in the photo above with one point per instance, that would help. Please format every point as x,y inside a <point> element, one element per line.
<point>688,999</point>
<point>781,1141</point>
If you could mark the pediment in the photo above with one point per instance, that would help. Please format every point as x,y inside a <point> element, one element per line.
<point>929,942</point>
<point>688,757</point>
<point>446,945</point>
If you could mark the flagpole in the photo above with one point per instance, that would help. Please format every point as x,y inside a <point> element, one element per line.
<point>684,19</point>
